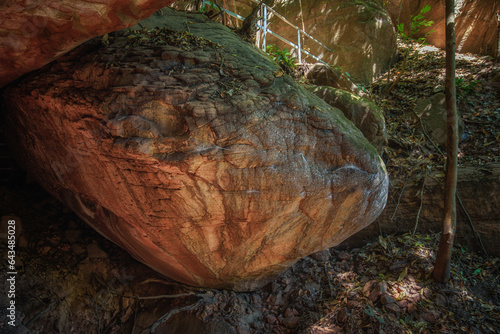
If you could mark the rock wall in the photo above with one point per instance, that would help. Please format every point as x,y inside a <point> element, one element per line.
<point>360,34</point>
<point>478,190</point>
<point>33,33</point>
<point>476,25</point>
<point>195,153</point>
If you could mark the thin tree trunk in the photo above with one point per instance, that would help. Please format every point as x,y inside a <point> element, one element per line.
<point>443,258</point>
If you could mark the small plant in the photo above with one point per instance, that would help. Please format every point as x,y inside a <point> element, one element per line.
<point>464,87</point>
<point>418,21</point>
<point>282,57</point>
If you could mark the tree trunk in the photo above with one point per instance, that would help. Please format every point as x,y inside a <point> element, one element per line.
<point>443,258</point>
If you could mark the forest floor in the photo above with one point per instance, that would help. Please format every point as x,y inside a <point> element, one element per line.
<point>71,279</point>
<point>410,151</point>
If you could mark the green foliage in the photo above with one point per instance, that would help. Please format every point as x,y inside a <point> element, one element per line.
<point>465,87</point>
<point>282,57</point>
<point>213,6</point>
<point>418,21</point>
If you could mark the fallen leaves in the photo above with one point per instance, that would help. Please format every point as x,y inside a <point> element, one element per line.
<point>409,153</point>
<point>390,291</point>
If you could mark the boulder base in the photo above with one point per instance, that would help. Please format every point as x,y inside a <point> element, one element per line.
<point>192,152</point>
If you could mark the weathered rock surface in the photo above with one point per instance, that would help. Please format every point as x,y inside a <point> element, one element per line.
<point>322,75</point>
<point>33,33</point>
<point>432,113</point>
<point>360,34</point>
<point>365,115</point>
<point>185,150</point>
<point>478,210</point>
<point>476,24</point>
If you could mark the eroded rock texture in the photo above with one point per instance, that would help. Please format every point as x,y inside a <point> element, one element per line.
<point>35,32</point>
<point>360,34</point>
<point>363,113</point>
<point>195,154</point>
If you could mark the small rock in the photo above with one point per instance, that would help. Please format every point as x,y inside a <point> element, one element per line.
<point>382,287</point>
<point>256,300</point>
<point>95,252</point>
<point>412,307</point>
<point>77,249</point>
<point>430,316</point>
<point>321,256</point>
<point>392,307</point>
<point>403,303</point>
<point>288,313</point>
<point>386,298</point>
<point>343,256</point>
<point>291,322</point>
<point>271,319</point>
<point>72,235</point>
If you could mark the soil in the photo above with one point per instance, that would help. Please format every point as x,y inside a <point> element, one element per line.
<point>70,279</point>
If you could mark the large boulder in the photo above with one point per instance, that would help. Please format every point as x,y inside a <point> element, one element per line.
<point>323,75</point>
<point>359,33</point>
<point>33,33</point>
<point>193,152</point>
<point>476,27</point>
<point>363,113</point>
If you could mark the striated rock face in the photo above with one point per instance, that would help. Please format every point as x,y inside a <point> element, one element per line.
<point>364,114</point>
<point>33,33</point>
<point>195,154</point>
<point>359,33</point>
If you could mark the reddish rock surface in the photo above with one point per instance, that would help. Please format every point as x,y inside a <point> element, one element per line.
<point>476,24</point>
<point>185,150</point>
<point>33,33</point>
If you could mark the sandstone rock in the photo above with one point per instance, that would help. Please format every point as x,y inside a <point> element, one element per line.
<point>475,25</point>
<point>479,191</point>
<point>365,115</point>
<point>192,156</point>
<point>322,75</point>
<point>360,34</point>
<point>432,112</point>
<point>321,256</point>
<point>33,33</point>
